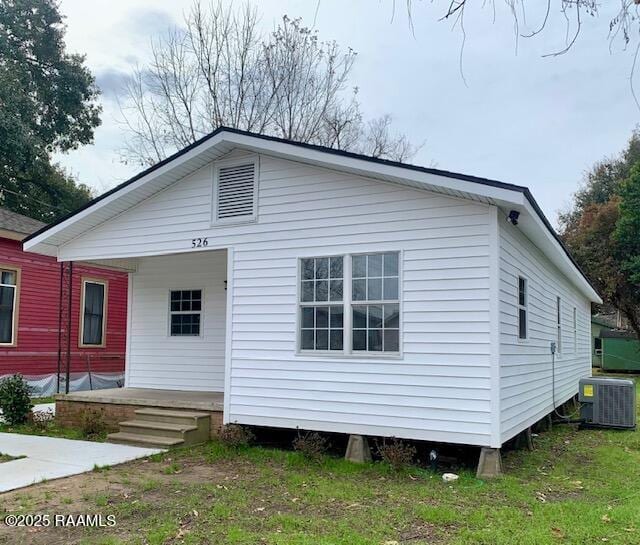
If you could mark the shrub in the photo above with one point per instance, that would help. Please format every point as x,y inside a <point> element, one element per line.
<point>235,436</point>
<point>14,400</point>
<point>92,424</point>
<point>311,445</point>
<point>397,453</point>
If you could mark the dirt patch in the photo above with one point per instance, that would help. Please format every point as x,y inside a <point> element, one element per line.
<point>132,491</point>
<point>426,533</point>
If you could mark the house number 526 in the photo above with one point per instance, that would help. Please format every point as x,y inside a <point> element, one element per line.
<point>199,242</point>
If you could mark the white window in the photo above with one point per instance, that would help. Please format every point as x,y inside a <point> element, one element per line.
<point>8,305</point>
<point>368,286</point>
<point>522,308</point>
<point>575,330</point>
<point>321,303</point>
<point>559,325</point>
<point>235,191</point>
<point>94,297</point>
<point>376,323</point>
<point>185,313</point>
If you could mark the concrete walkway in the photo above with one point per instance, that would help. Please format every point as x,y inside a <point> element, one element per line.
<point>52,458</point>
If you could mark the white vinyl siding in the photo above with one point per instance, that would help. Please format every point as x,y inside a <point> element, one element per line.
<point>526,367</point>
<point>438,388</point>
<point>159,360</point>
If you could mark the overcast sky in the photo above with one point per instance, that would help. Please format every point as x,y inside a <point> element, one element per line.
<point>519,117</point>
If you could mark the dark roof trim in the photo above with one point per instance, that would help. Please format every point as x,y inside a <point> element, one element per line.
<point>457,176</point>
<point>435,171</point>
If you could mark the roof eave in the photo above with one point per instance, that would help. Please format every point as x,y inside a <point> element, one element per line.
<point>495,191</point>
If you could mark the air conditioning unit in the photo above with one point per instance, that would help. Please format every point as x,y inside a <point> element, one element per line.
<point>607,403</point>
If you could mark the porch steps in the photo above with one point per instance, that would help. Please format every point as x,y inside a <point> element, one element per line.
<point>163,428</point>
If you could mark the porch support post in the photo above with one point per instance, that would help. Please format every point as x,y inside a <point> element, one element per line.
<point>228,339</point>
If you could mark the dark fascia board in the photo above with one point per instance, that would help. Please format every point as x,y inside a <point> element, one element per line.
<point>447,174</point>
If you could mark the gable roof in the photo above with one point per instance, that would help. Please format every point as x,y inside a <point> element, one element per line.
<point>19,224</point>
<point>224,139</point>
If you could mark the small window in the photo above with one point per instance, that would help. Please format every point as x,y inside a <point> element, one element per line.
<point>522,308</point>
<point>575,330</point>
<point>93,312</point>
<point>8,305</point>
<point>597,345</point>
<point>559,325</point>
<point>185,311</point>
<point>321,306</point>
<point>235,192</point>
<point>375,303</point>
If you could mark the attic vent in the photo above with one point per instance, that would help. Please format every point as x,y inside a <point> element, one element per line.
<point>235,194</point>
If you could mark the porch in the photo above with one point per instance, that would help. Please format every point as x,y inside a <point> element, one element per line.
<point>150,397</point>
<point>165,413</point>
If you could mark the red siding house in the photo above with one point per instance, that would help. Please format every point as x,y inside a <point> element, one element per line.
<point>33,314</point>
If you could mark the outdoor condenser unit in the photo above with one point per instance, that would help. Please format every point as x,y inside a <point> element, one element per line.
<point>608,403</point>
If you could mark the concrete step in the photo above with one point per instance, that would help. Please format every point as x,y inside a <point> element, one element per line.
<point>167,427</point>
<point>163,429</point>
<point>170,416</point>
<point>138,440</point>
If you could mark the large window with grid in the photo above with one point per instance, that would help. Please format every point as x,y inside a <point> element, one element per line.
<point>321,303</point>
<point>375,304</point>
<point>350,304</point>
<point>8,305</point>
<point>185,311</point>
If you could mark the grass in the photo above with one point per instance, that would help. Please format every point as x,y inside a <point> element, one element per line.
<point>50,429</point>
<point>41,400</point>
<point>8,458</point>
<point>576,487</point>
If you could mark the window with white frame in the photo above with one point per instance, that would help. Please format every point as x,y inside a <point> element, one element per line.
<point>372,321</point>
<point>94,296</point>
<point>321,303</point>
<point>185,313</point>
<point>522,308</point>
<point>8,304</point>
<point>575,330</point>
<point>375,303</point>
<point>559,325</point>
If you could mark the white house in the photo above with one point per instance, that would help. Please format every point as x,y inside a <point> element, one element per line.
<point>330,291</point>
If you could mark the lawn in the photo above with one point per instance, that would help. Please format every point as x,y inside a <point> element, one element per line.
<point>577,487</point>
<point>7,458</point>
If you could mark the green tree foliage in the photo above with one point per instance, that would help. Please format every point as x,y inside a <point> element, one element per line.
<point>47,104</point>
<point>601,230</point>
<point>627,233</point>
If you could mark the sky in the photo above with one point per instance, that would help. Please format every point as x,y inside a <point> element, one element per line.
<point>497,108</point>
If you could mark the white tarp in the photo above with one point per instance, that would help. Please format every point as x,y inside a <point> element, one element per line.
<point>45,385</point>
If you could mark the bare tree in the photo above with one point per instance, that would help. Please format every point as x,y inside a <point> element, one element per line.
<point>219,69</point>
<point>573,12</point>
